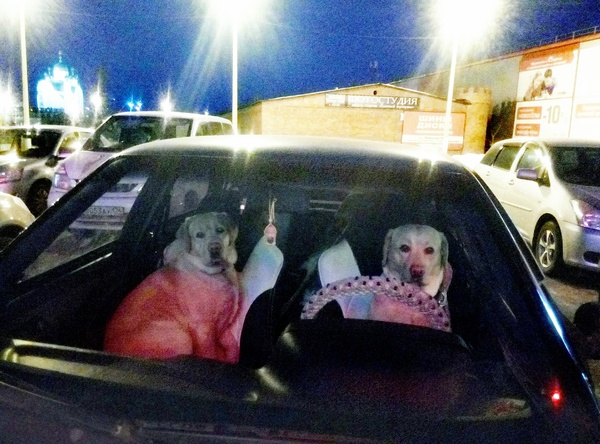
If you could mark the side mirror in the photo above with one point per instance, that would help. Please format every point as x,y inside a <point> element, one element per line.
<point>52,161</point>
<point>528,174</point>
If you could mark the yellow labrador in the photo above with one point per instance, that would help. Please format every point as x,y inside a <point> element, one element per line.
<point>189,307</point>
<point>204,242</point>
<point>417,254</point>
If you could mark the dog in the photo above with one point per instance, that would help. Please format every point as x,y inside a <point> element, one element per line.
<point>417,254</point>
<point>205,242</point>
<point>190,306</point>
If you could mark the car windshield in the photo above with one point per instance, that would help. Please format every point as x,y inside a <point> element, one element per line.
<point>310,240</point>
<point>120,132</point>
<point>577,165</point>
<point>41,143</point>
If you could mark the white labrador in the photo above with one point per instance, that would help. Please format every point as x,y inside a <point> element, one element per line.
<point>417,254</point>
<point>204,242</point>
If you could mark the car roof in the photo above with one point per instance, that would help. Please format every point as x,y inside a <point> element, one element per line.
<point>176,114</point>
<point>309,146</point>
<point>554,141</point>
<point>49,127</point>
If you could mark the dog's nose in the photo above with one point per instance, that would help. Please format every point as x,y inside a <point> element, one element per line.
<point>215,249</point>
<point>417,271</point>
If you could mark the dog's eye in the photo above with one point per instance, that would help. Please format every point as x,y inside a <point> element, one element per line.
<point>200,235</point>
<point>429,250</point>
<point>404,248</point>
<point>220,230</point>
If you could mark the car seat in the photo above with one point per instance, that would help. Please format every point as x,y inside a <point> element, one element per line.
<point>262,267</point>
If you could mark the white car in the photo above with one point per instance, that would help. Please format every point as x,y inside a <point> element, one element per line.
<point>123,130</point>
<point>14,218</point>
<point>29,155</point>
<point>551,190</point>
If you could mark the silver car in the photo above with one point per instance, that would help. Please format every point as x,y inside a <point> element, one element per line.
<point>28,156</point>
<point>550,187</point>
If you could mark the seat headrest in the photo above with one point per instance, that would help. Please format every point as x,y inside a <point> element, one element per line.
<point>374,210</point>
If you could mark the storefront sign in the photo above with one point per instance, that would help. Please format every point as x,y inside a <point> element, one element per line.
<point>385,102</point>
<point>427,129</point>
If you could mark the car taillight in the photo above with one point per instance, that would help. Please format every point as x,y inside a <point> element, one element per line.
<point>62,181</point>
<point>555,394</point>
<point>10,174</point>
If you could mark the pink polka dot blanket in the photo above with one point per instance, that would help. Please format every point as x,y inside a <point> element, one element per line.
<point>381,298</point>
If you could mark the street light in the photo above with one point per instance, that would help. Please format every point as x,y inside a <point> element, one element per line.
<point>462,21</point>
<point>166,104</point>
<point>24,64</point>
<point>96,100</point>
<point>236,10</point>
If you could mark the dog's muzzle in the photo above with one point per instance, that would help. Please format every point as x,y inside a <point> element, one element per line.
<point>215,251</point>
<point>417,273</point>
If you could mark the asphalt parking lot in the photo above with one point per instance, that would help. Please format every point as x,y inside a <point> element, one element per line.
<point>570,291</point>
<point>573,289</point>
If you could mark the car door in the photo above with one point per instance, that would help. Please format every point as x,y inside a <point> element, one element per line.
<point>62,280</point>
<point>495,171</point>
<point>61,267</point>
<point>524,197</point>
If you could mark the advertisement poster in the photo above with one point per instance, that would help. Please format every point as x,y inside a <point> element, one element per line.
<point>585,119</point>
<point>545,91</point>
<point>427,130</point>
<point>588,81</point>
<point>548,74</point>
<point>545,118</point>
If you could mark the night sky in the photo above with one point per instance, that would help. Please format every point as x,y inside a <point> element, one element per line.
<point>149,47</point>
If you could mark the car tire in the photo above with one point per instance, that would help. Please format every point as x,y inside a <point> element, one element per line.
<point>37,198</point>
<point>7,235</point>
<point>548,249</point>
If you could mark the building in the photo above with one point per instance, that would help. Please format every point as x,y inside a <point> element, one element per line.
<point>550,90</point>
<point>60,90</point>
<point>376,112</point>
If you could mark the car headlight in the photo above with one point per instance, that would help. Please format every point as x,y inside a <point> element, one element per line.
<point>587,215</point>
<point>62,181</point>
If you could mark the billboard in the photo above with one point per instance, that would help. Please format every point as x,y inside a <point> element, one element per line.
<point>545,92</point>
<point>427,129</point>
<point>585,118</point>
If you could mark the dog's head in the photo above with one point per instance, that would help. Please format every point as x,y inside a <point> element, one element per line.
<point>418,254</point>
<point>210,238</point>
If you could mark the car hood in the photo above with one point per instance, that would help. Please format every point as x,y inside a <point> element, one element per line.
<point>82,163</point>
<point>588,194</point>
<point>14,160</point>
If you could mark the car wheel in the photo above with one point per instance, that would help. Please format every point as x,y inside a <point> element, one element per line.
<point>548,248</point>
<point>7,235</point>
<point>37,199</point>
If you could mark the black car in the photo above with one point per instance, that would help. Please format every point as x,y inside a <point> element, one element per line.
<point>495,365</point>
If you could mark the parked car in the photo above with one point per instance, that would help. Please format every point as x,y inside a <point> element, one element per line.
<point>28,156</point>
<point>126,129</point>
<point>308,222</point>
<point>551,189</point>
<point>14,218</point>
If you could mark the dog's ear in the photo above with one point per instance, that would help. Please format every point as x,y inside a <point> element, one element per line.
<point>386,247</point>
<point>183,233</point>
<point>444,251</point>
<point>227,221</point>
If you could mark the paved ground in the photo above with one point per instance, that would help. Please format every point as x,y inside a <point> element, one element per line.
<point>569,292</point>
<point>573,290</point>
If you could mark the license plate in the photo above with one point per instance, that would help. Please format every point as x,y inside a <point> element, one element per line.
<point>102,212</point>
